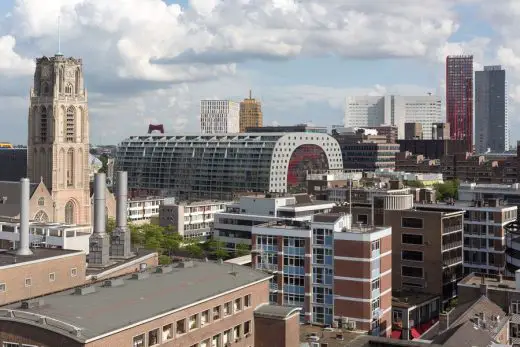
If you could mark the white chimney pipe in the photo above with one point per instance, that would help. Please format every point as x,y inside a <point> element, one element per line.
<point>99,203</point>
<point>24,249</point>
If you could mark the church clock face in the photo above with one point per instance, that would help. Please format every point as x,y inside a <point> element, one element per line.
<point>46,71</point>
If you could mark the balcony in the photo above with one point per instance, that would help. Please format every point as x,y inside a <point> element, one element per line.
<point>264,249</point>
<point>300,251</point>
<point>273,287</point>
<point>287,288</point>
<point>267,267</point>
<point>451,261</point>
<point>294,270</point>
<point>452,228</point>
<point>451,245</point>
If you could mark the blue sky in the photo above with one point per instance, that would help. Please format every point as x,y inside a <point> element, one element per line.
<point>301,59</point>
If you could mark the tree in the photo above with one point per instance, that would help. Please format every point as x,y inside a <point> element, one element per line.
<point>104,163</point>
<point>448,189</point>
<point>172,242</point>
<point>110,225</point>
<point>217,249</point>
<point>415,184</point>
<point>194,250</point>
<point>242,249</point>
<point>164,260</point>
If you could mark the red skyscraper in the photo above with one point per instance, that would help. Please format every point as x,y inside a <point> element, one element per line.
<point>459,98</point>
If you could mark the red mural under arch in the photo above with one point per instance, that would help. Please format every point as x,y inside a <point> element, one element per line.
<point>305,158</point>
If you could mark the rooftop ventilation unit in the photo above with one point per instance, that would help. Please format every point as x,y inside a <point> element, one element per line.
<point>140,276</point>
<point>85,290</point>
<point>28,304</point>
<point>164,269</point>
<point>115,282</point>
<point>186,264</point>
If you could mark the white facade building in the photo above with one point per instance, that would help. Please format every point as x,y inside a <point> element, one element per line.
<point>142,210</point>
<point>191,220</point>
<point>47,235</point>
<point>234,226</point>
<point>219,117</point>
<point>367,111</point>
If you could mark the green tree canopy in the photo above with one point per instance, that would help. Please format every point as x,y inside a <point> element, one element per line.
<point>242,249</point>
<point>448,189</point>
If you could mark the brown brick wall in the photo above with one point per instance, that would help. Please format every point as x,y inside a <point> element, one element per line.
<point>14,277</point>
<point>354,249</point>
<point>259,295</point>
<point>354,309</point>
<point>348,268</point>
<point>353,289</point>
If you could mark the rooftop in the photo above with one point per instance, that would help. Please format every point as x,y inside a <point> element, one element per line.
<point>407,299</point>
<point>136,300</point>
<point>10,190</point>
<point>333,337</point>
<point>277,312</point>
<point>466,205</point>
<point>99,271</point>
<point>491,281</point>
<point>327,217</point>
<point>10,258</point>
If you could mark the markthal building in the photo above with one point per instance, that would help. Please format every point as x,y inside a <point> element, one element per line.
<point>219,166</point>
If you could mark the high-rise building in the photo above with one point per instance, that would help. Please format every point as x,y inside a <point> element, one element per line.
<point>58,141</point>
<point>491,122</point>
<point>372,111</point>
<point>413,131</point>
<point>459,98</point>
<point>250,114</point>
<point>219,117</point>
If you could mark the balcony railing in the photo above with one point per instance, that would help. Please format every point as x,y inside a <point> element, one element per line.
<point>452,228</point>
<point>267,267</point>
<point>450,245</point>
<point>264,249</point>
<point>273,286</point>
<point>451,261</point>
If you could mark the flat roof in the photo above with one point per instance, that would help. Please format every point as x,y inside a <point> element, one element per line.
<point>327,217</point>
<point>10,258</point>
<point>333,337</point>
<point>109,309</point>
<point>490,280</point>
<point>465,205</point>
<point>408,299</point>
<point>276,311</point>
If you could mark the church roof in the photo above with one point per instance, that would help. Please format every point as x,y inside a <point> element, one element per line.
<point>10,197</point>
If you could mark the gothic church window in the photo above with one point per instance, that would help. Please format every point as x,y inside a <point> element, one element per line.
<point>77,80</point>
<point>41,217</point>
<point>45,88</point>
<point>41,201</point>
<point>69,124</point>
<point>70,168</point>
<point>69,213</point>
<point>68,89</point>
<point>43,125</point>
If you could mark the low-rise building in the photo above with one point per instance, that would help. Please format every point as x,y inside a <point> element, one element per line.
<point>47,235</point>
<point>234,226</point>
<point>335,272</point>
<point>484,235</point>
<point>141,210</point>
<point>192,304</point>
<point>191,219</point>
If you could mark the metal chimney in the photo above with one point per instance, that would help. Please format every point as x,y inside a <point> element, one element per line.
<point>120,243</point>
<point>121,199</point>
<point>99,203</point>
<point>24,218</point>
<point>99,250</point>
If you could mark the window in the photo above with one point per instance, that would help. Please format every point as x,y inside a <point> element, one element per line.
<point>238,304</point>
<point>43,125</point>
<point>375,284</point>
<point>226,336</point>
<point>397,316</point>
<point>69,213</point>
<point>216,313</point>
<point>236,332</point>
<point>193,322</point>
<point>412,255</point>
<point>227,309</point>
<point>181,327</point>
<point>10,344</point>
<point>204,318</point>
<point>375,245</point>
<point>247,327</point>
<point>215,341</point>
<point>515,306</point>
<point>415,223</point>
<point>68,89</point>
<point>153,337</point>
<point>247,301</point>
<point>28,282</point>
<point>412,239</point>
<point>362,218</point>
<point>514,330</point>
<point>139,341</point>
<point>73,272</point>
<point>52,277</point>
<point>167,332</point>
<point>410,271</point>
<point>204,343</point>
<point>70,124</point>
<point>41,201</point>
<point>3,287</point>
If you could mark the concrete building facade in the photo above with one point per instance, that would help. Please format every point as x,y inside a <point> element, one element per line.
<point>491,118</point>
<point>369,111</point>
<point>219,117</point>
<point>217,167</point>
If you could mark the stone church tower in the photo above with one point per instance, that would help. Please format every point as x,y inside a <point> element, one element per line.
<point>58,142</point>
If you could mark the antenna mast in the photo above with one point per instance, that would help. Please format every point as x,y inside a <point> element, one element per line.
<point>59,35</point>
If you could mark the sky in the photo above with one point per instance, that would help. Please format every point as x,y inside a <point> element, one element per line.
<point>152,61</point>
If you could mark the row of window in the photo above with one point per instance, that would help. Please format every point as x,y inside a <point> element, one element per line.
<point>196,321</point>
<point>15,344</point>
<point>28,280</point>
<point>159,336</point>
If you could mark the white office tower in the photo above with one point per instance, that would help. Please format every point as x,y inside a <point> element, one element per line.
<point>371,111</point>
<point>219,117</point>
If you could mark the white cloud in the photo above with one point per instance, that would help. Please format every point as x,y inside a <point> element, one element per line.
<point>11,63</point>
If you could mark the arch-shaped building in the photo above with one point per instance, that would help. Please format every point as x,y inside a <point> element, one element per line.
<point>218,166</point>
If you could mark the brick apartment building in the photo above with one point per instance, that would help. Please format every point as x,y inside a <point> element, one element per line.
<point>199,304</point>
<point>337,273</point>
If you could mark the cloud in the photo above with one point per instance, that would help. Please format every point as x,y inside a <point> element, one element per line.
<point>11,63</point>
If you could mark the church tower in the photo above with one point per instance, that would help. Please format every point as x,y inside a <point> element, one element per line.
<point>58,141</point>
